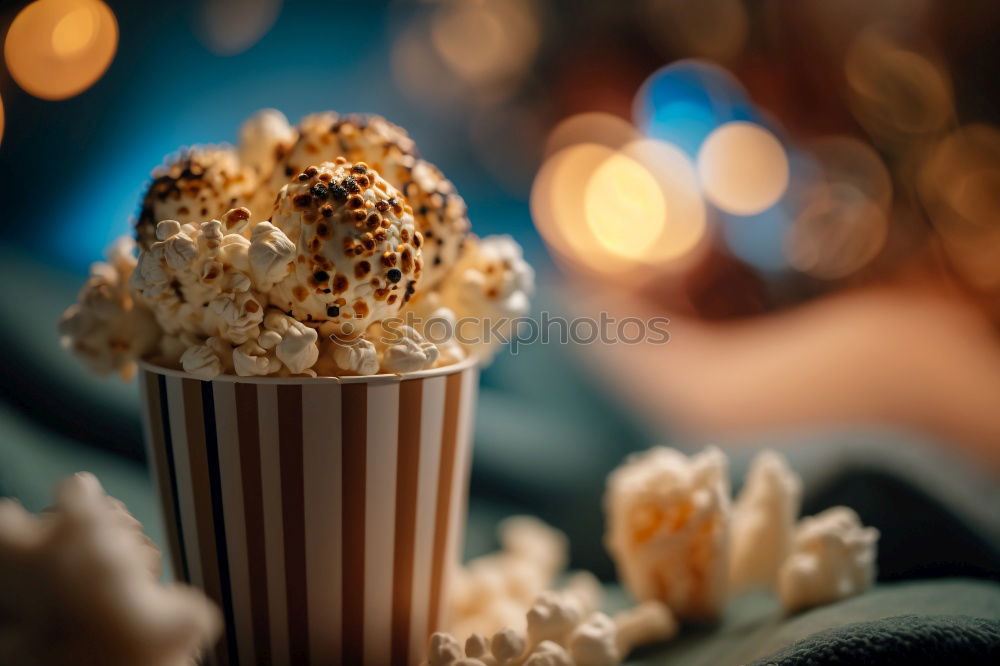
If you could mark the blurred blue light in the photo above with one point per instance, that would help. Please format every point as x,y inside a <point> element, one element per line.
<point>759,239</point>
<point>683,102</point>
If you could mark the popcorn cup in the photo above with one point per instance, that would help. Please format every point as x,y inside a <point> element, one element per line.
<point>323,515</point>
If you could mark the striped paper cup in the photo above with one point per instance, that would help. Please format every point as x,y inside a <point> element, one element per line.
<point>322,515</point>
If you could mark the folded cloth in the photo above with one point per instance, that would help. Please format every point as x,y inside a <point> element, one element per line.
<point>910,639</point>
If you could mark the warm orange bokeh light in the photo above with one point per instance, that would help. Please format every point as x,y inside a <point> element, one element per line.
<point>56,49</point>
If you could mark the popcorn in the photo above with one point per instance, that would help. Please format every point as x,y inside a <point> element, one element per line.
<point>668,526</point>
<point>336,247</point>
<point>204,361</point>
<point>108,328</point>
<point>358,252</point>
<point>79,581</point>
<point>548,653</point>
<point>406,351</point>
<point>553,617</point>
<point>197,184</point>
<point>558,633</point>
<point>357,356</point>
<point>833,557</point>
<point>763,520</point>
<point>497,589</point>
<point>439,212</point>
<point>265,139</point>
<point>491,282</point>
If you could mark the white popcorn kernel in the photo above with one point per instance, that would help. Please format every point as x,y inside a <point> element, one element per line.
<point>552,617</point>
<point>833,557</point>
<point>593,642</point>
<point>587,590</point>
<point>443,650</point>
<point>250,359</point>
<point>202,362</point>
<point>506,646</point>
<point>356,356</point>
<point>478,647</point>
<point>763,521</point>
<point>410,353</point>
<point>297,348</point>
<point>548,653</point>
<point>668,527</point>
<point>269,254</point>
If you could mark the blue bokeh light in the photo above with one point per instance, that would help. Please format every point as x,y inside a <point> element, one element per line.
<point>683,102</point>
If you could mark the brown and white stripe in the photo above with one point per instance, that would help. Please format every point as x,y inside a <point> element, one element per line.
<point>322,515</point>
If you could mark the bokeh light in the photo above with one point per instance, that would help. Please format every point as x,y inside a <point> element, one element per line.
<point>624,207</point>
<point>743,168</point>
<point>685,101</point>
<point>609,211</point>
<point>229,27</point>
<point>895,93</point>
<point>840,231</point>
<point>958,184</point>
<point>486,43</point>
<point>603,129</point>
<point>56,49</point>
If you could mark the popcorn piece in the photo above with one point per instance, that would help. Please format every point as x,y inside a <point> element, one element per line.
<point>438,210</point>
<point>202,361</point>
<point>490,283</point>
<point>833,557</point>
<point>507,646</point>
<point>198,184</point>
<point>497,589</point>
<point>250,359</point>
<point>553,616</point>
<point>437,324</point>
<point>270,253</point>
<point>403,349</point>
<point>359,255</point>
<point>357,356</point>
<point>265,139</point>
<point>586,589</point>
<point>293,342</point>
<point>478,647</point>
<point>443,650</point>
<point>109,329</point>
<point>649,622</point>
<point>668,524</point>
<point>763,521</point>
<point>79,580</point>
<point>548,653</point>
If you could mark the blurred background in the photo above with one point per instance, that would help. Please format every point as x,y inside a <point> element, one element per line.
<point>809,190</point>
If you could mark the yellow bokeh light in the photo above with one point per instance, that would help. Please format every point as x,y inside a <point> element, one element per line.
<point>624,207</point>
<point>608,211</point>
<point>743,168</point>
<point>56,49</point>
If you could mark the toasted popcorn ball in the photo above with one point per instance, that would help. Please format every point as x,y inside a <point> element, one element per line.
<point>833,557</point>
<point>78,584</point>
<point>763,521</point>
<point>438,210</point>
<point>108,328</point>
<point>490,283</point>
<point>667,528</point>
<point>358,255</point>
<point>199,183</point>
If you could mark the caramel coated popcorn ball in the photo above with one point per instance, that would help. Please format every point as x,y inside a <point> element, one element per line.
<point>196,185</point>
<point>358,255</point>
